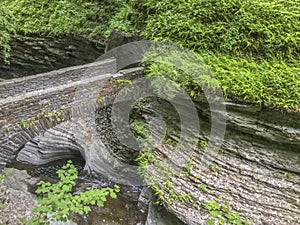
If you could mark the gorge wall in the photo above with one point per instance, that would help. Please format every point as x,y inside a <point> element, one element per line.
<point>33,55</point>
<point>257,167</point>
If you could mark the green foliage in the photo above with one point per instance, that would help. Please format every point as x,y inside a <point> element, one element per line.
<point>251,46</point>
<point>189,166</point>
<point>203,144</point>
<point>261,28</point>
<point>223,214</point>
<point>204,188</point>
<point>140,128</point>
<point>179,66</point>
<point>129,18</point>
<point>55,115</point>
<point>282,174</point>
<point>215,168</point>
<point>270,83</point>
<point>146,158</point>
<point>124,81</point>
<point>58,201</point>
<point>6,30</point>
<point>87,17</point>
<point>25,123</point>
<point>100,100</point>
<point>167,192</point>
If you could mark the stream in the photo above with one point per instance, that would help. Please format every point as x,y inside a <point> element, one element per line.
<point>120,211</point>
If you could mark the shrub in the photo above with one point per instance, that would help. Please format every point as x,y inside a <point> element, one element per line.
<point>58,201</point>
<point>85,17</point>
<point>273,82</point>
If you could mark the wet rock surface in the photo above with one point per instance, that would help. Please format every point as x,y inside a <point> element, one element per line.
<point>160,216</point>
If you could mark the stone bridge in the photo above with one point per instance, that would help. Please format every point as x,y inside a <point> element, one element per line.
<point>50,103</point>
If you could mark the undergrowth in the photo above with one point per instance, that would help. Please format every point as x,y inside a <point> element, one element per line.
<point>6,30</point>
<point>58,17</point>
<point>56,201</point>
<point>262,28</point>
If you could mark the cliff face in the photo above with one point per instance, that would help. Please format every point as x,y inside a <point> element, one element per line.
<point>33,55</point>
<point>257,167</point>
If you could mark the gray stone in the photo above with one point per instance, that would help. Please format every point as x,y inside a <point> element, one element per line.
<point>19,180</point>
<point>160,216</point>
<point>258,167</point>
<point>33,55</point>
<point>18,202</point>
<point>144,199</point>
<point>118,38</point>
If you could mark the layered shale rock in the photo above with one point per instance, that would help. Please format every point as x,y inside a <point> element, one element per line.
<point>33,55</point>
<point>257,167</point>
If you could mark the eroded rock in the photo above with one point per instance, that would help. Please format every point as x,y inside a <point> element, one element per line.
<point>257,168</point>
<point>17,201</point>
<point>33,55</point>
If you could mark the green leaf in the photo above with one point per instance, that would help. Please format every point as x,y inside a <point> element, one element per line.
<point>210,222</point>
<point>113,195</point>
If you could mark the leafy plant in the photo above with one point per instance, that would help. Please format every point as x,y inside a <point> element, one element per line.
<point>222,213</point>
<point>146,158</point>
<point>58,201</point>
<point>204,188</point>
<point>100,100</point>
<point>203,144</point>
<point>189,166</point>
<point>140,128</point>
<point>23,123</point>
<point>55,115</point>
<point>7,30</point>
<point>215,168</point>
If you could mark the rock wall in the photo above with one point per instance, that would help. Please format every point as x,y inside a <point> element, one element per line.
<point>54,78</point>
<point>18,201</point>
<point>257,168</point>
<point>33,55</point>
